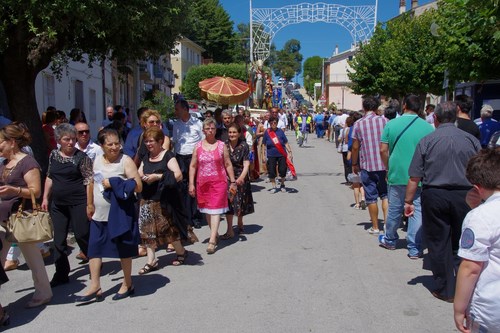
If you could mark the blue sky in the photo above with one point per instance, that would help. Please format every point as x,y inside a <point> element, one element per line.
<point>315,38</point>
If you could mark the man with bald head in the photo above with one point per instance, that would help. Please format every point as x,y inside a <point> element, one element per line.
<point>110,111</point>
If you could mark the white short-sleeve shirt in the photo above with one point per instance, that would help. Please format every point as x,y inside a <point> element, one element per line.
<point>185,135</point>
<point>480,241</point>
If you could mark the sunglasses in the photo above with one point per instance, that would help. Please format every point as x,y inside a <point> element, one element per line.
<point>84,132</point>
<point>154,122</point>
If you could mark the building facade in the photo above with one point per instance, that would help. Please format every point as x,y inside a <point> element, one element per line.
<point>186,55</point>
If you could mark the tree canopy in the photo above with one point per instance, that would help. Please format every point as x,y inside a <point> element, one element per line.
<point>210,26</point>
<point>313,69</point>
<point>288,60</point>
<point>469,31</point>
<point>33,33</point>
<point>402,57</point>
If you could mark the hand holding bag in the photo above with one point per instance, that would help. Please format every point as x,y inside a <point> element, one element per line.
<point>29,226</point>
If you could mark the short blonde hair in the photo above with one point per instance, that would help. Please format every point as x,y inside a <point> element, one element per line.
<point>148,113</point>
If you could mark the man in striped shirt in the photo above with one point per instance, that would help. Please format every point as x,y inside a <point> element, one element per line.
<point>366,157</point>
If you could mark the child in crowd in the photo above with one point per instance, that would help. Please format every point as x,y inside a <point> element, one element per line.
<point>477,300</point>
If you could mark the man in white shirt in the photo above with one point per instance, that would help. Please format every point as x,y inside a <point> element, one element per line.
<point>186,133</point>
<point>429,111</point>
<point>84,143</point>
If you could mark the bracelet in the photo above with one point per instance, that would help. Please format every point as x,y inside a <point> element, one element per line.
<point>233,182</point>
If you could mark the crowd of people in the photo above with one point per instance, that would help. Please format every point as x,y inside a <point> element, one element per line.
<point>430,169</point>
<point>139,188</point>
<point>126,195</point>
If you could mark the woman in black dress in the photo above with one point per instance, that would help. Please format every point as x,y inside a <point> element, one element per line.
<point>241,200</point>
<point>156,224</point>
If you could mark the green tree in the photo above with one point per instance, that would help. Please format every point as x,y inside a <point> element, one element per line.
<point>313,69</point>
<point>288,60</point>
<point>242,43</point>
<point>210,26</point>
<point>367,65</point>
<point>400,59</point>
<point>33,32</point>
<point>469,31</point>
<point>160,102</point>
<point>196,74</point>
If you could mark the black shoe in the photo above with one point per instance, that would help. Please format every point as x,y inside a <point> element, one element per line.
<point>130,291</point>
<point>86,299</point>
<point>58,282</point>
<point>197,225</point>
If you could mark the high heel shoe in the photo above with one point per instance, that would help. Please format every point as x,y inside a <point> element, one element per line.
<point>130,291</point>
<point>96,296</point>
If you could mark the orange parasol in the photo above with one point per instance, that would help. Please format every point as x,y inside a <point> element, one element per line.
<point>224,90</point>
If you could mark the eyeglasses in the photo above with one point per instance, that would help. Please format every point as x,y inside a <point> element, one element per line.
<point>157,122</point>
<point>84,132</point>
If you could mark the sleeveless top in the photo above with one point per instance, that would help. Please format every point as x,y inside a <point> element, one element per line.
<point>69,177</point>
<point>108,170</point>
<point>210,163</point>
<point>150,191</point>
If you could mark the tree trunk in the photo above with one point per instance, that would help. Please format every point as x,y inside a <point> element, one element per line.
<point>18,79</point>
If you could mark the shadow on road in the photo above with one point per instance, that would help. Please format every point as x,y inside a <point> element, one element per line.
<point>313,174</point>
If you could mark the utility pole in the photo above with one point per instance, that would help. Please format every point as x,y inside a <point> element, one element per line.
<point>251,34</point>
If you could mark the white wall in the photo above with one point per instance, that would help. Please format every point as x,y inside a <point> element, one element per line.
<point>63,94</point>
<point>338,90</point>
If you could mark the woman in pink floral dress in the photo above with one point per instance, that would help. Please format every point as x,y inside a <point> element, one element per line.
<point>211,167</point>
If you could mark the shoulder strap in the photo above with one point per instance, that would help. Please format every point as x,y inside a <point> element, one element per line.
<point>400,134</point>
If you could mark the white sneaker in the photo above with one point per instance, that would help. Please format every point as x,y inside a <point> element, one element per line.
<point>373,231</point>
<point>274,190</point>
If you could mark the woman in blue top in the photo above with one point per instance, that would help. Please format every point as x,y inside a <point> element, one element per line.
<point>276,142</point>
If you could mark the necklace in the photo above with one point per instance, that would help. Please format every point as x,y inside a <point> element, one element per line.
<point>157,155</point>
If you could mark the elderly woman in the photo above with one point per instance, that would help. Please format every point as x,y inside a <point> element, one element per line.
<point>210,167</point>
<point>276,142</point>
<point>156,223</point>
<point>240,200</point>
<point>68,186</point>
<point>113,227</point>
<point>20,175</point>
<point>149,118</point>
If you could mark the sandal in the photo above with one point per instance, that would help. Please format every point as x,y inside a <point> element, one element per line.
<point>148,268</point>
<point>181,258</point>
<point>226,236</point>
<point>211,248</point>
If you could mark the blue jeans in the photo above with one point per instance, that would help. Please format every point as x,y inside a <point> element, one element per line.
<point>396,208</point>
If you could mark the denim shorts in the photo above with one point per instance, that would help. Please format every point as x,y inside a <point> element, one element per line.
<point>375,185</point>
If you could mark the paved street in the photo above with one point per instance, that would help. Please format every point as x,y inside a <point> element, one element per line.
<point>306,264</point>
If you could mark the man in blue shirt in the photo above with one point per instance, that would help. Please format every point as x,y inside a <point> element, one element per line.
<point>488,125</point>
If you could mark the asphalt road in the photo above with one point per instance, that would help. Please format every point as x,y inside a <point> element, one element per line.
<point>305,264</point>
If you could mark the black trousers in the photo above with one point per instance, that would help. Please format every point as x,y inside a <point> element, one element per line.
<point>443,212</point>
<point>62,217</point>
<point>280,162</point>
<point>189,202</point>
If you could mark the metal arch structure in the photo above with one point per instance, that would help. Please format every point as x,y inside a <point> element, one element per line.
<point>265,23</point>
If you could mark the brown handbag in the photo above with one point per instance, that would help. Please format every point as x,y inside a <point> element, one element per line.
<point>27,226</point>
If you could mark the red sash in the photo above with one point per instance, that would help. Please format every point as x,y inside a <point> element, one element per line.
<point>282,151</point>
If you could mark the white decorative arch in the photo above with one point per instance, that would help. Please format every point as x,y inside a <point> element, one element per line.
<point>266,22</point>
